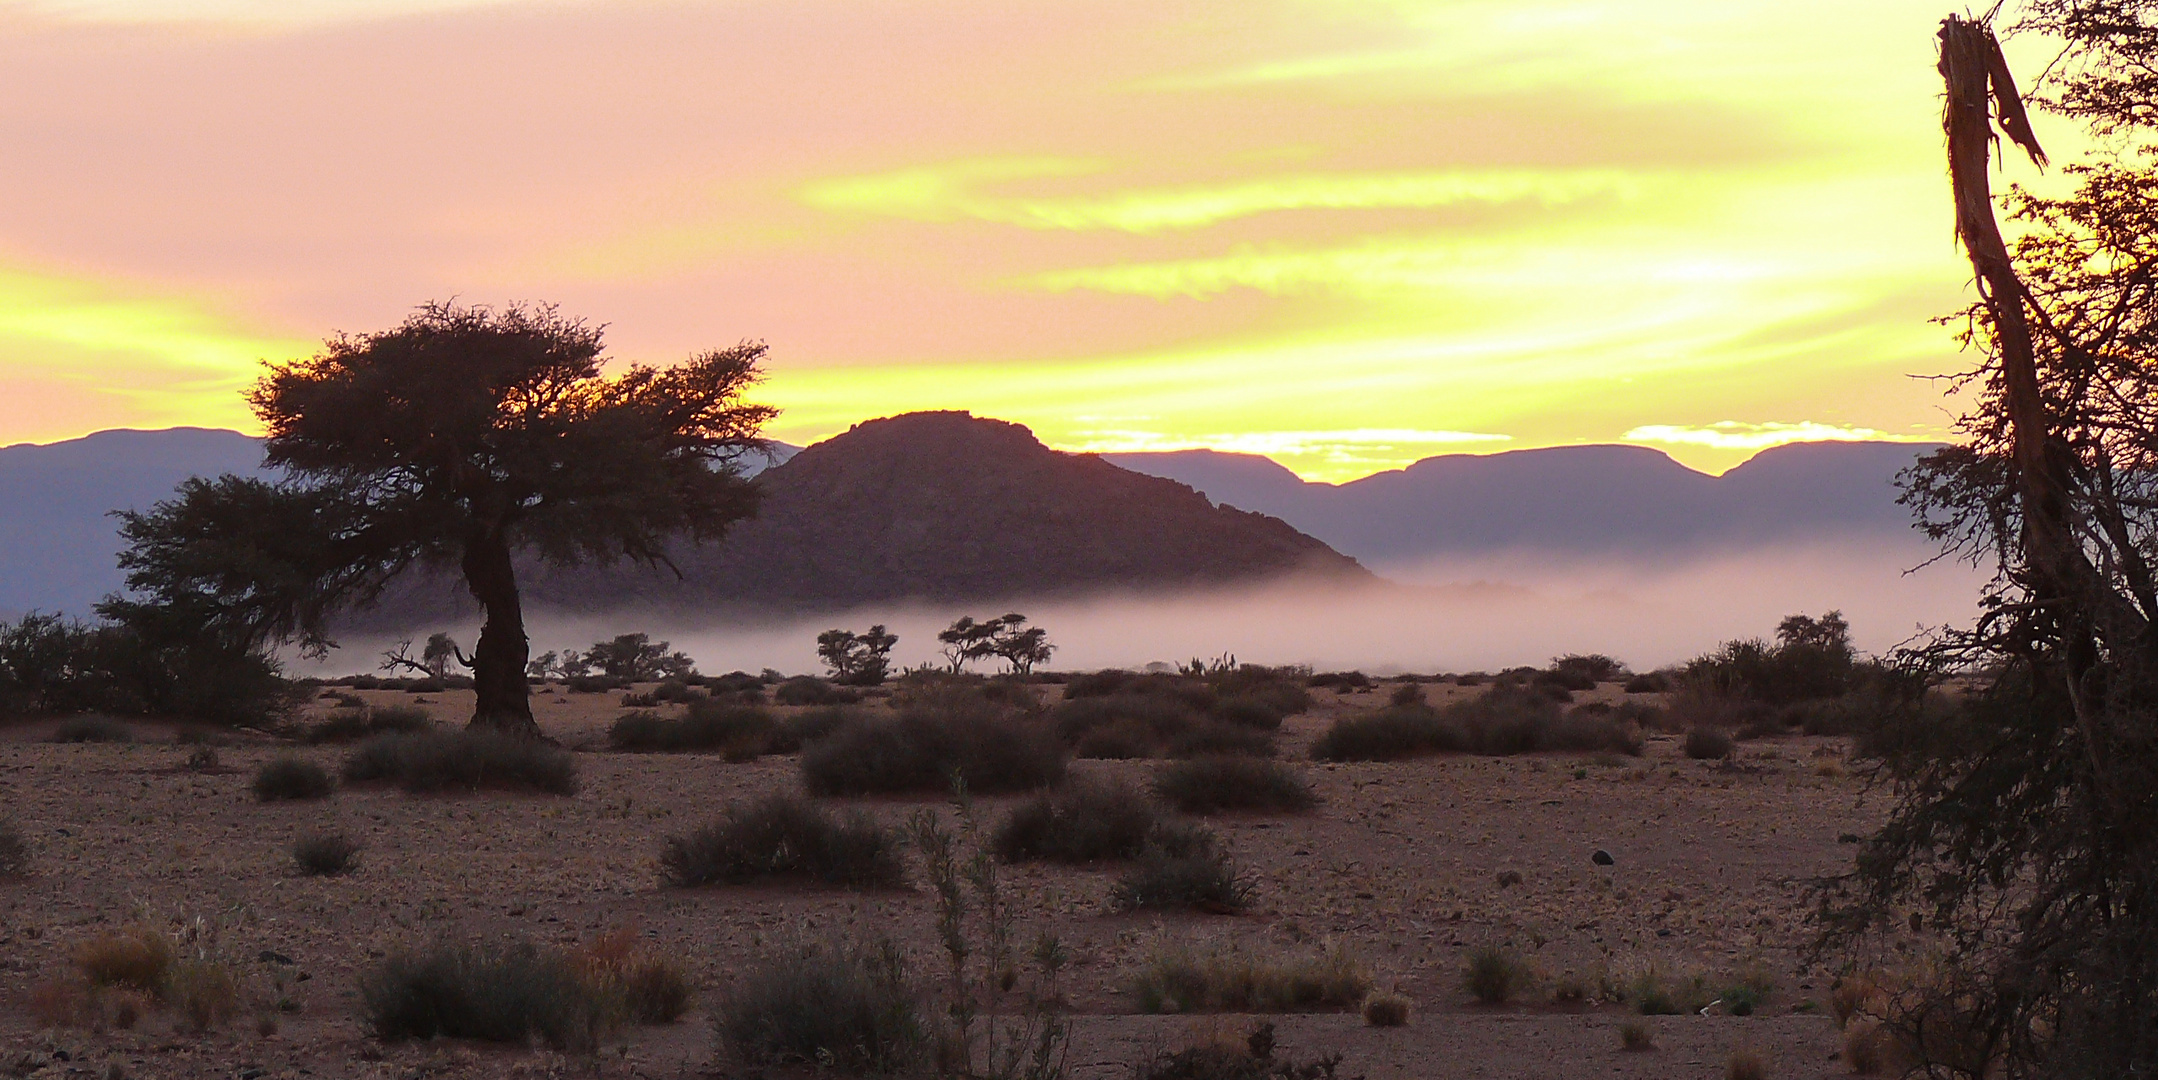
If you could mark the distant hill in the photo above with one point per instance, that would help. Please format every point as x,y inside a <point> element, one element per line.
<point>1620,501</point>
<point>57,536</point>
<point>939,506</point>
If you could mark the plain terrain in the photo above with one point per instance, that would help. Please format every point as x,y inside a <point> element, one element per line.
<point>1401,864</point>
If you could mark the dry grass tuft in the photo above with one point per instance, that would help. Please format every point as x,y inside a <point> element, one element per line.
<point>1178,979</point>
<point>137,957</point>
<point>1635,1036</point>
<point>1494,976</point>
<point>1384,1009</point>
<point>1746,1065</point>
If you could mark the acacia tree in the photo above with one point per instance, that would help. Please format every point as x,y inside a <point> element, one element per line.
<point>863,659</point>
<point>461,438</point>
<point>2026,827</point>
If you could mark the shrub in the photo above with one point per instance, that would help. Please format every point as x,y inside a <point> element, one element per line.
<point>1280,690</point>
<point>1250,712</point>
<point>1388,734</point>
<point>742,732</point>
<point>669,691</point>
<point>922,750</point>
<point>785,836</point>
<point>1218,1060</point>
<point>1651,682</point>
<point>813,724</point>
<point>1210,737</point>
<point>809,690</point>
<point>496,993</point>
<point>137,957</point>
<point>1408,693</point>
<point>1708,744</point>
<point>643,987</point>
<point>1595,667</point>
<point>851,1010</point>
<point>1383,1009</point>
<point>1504,720</point>
<point>463,759</point>
<point>324,854</point>
<point>1209,785</point>
<point>1494,976</point>
<point>1339,680</point>
<point>1634,1035</point>
<point>202,759</point>
<point>351,725</point>
<point>1178,979</point>
<point>14,853</point>
<point>1132,724</point>
<point>1201,878</point>
<point>93,729</point>
<point>1746,1065</point>
<point>288,778</point>
<point>1082,822</point>
<point>203,992</point>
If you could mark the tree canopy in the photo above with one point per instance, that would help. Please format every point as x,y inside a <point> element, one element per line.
<point>462,438</point>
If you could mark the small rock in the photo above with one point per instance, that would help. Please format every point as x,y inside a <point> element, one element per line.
<point>1509,878</point>
<point>1602,858</point>
<point>270,957</point>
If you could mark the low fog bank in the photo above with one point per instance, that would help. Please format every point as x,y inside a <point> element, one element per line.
<point>1455,615</point>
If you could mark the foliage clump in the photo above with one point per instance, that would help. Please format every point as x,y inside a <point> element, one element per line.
<point>290,778</point>
<point>1084,821</point>
<point>465,760</point>
<point>785,837</point>
<point>989,748</point>
<point>1177,978</point>
<point>1211,785</point>
<point>325,854</point>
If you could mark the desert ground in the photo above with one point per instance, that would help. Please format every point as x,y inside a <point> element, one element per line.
<point>1401,865</point>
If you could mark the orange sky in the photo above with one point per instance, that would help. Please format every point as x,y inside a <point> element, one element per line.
<point>1345,234</point>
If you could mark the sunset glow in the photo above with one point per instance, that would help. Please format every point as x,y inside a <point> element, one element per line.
<point>1346,234</point>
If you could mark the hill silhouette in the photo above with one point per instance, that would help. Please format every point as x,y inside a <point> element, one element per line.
<point>936,506</point>
<point>1626,502</point>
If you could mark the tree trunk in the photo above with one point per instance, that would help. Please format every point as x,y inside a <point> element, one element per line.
<point>498,662</point>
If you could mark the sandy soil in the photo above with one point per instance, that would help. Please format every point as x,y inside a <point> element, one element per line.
<point>1401,864</point>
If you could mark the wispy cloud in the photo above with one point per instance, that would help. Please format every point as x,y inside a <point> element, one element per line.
<point>1735,435</point>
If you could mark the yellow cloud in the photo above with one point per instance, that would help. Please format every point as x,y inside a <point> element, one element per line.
<point>950,192</point>
<point>1734,435</point>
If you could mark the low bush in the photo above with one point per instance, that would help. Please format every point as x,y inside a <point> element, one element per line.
<point>1175,978</point>
<point>290,778</point>
<point>923,749</point>
<point>1708,744</point>
<point>352,725</point>
<point>1494,976</point>
<point>93,729</point>
<point>850,1010</point>
<point>495,993</point>
<point>1745,1065</point>
<point>741,732</point>
<point>1344,681</point>
<point>1635,1036</point>
<point>1209,785</point>
<point>463,760</point>
<point>325,854</point>
<point>1383,1009</point>
<point>785,837</point>
<point>14,852</point>
<point>204,993</point>
<point>809,690</point>
<point>812,724</point>
<point>671,691</point>
<point>1408,693</point>
<point>1504,720</point>
<point>646,988</point>
<point>1211,737</point>
<point>1082,822</point>
<point>1656,993</point>
<point>1200,877</point>
<point>1650,682</point>
<point>1215,1059</point>
<point>137,957</point>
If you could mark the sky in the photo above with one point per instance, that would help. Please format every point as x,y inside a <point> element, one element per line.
<point>1347,234</point>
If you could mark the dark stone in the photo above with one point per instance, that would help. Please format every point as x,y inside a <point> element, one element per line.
<point>268,957</point>
<point>1602,858</point>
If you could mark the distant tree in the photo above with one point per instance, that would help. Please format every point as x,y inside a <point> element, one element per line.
<point>1007,637</point>
<point>459,439</point>
<point>862,659</point>
<point>435,658</point>
<point>637,658</point>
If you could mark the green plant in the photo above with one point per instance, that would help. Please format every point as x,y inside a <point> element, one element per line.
<point>1176,978</point>
<point>325,854</point>
<point>1494,976</point>
<point>14,853</point>
<point>1384,1009</point>
<point>1083,821</point>
<point>849,1009</point>
<point>93,729</point>
<point>921,750</point>
<point>862,659</point>
<point>465,759</point>
<point>1194,874</point>
<point>1708,744</point>
<point>1024,1038</point>
<point>1208,785</point>
<point>808,690</point>
<point>785,836</point>
<point>741,731</point>
<point>291,778</point>
<point>1635,1036</point>
<point>496,993</point>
